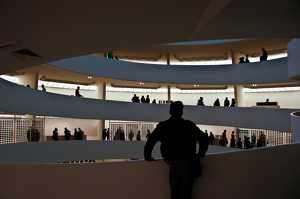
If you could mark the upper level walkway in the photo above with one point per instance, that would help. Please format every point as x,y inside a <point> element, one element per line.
<point>234,74</point>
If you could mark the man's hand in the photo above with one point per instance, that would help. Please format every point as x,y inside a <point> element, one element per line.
<point>152,159</point>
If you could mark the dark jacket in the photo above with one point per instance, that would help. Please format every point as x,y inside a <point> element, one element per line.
<point>178,140</point>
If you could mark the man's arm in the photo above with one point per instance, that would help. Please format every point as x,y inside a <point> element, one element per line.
<point>203,143</point>
<point>150,144</point>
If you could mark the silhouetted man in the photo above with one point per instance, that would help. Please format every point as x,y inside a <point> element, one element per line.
<point>77,94</point>
<point>265,55</point>
<point>178,148</point>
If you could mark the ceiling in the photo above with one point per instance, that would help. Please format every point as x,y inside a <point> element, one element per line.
<point>57,30</point>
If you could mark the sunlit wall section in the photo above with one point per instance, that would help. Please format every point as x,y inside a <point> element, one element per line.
<point>270,57</point>
<point>209,62</point>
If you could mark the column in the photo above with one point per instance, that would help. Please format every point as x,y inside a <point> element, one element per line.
<point>169,94</point>
<point>168,58</point>
<point>100,94</point>
<point>105,54</point>
<point>239,96</point>
<point>32,80</point>
<point>235,57</point>
<point>169,88</point>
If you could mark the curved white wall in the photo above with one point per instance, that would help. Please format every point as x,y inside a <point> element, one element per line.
<point>73,150</point>
<point>20,99</point>
<point>247,73</point>
<point>294,59</point>
<point>295,123</point>
<point>273,172</point>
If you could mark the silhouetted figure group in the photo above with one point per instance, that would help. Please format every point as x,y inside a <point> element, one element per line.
<point>120,135</point>
<point>226,102</point>
<point>142,100</point>
<point>77,134</point>
<point>248,142</point>
<point>105,134</point>
<point>33,135</point>
<point>243,60</point>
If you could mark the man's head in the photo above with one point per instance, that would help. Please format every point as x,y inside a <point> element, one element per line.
<point>176,108</point>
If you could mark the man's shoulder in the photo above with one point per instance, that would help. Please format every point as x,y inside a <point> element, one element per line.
<point>190,122</point>
<point>177,121</point>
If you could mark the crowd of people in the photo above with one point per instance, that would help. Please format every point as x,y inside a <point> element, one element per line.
<point>136,98</point>
<point>77,134</point>
<point>217,102</point>
<point>237,143</point>
<point>120,135</point>
<point>248,144</point>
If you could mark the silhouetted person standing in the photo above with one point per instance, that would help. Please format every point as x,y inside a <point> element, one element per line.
<point>147,99</point>
<point>80,134</point>
<point>239,143</point>
<point>232,102</point>
<point>110,55</point>
<point>43,87</point>
<point>217,102</point>
<point>76,134</point>
<point>178,151</point>
<point>130,135</point>
<point>135,98</point>
<point>200,102</point>
<point>67,134</point>
<point>226,102</point>
<point>55,134</point>
<point>211,138</point>
<point>247,59</point>
<point>264,56</point>
<point>104,134</point>
<point>143,100</point>
<point>122,135</point>
<point>138,136</point>
<point>232,141</point>
<point>107,134</point>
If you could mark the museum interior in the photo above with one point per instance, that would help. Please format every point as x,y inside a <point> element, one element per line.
<point>71,65</point>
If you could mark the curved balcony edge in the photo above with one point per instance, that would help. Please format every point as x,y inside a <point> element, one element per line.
<point>137,179</point>
<point>293,49</point>
<point>247,73</point>
<point>295,126</point>
<point>36,102</point>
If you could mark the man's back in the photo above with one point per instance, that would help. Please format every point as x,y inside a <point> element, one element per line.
<point>178,148</point>
<point>178,139</point>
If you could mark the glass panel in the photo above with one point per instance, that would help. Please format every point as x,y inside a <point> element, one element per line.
<point>6,131</point>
